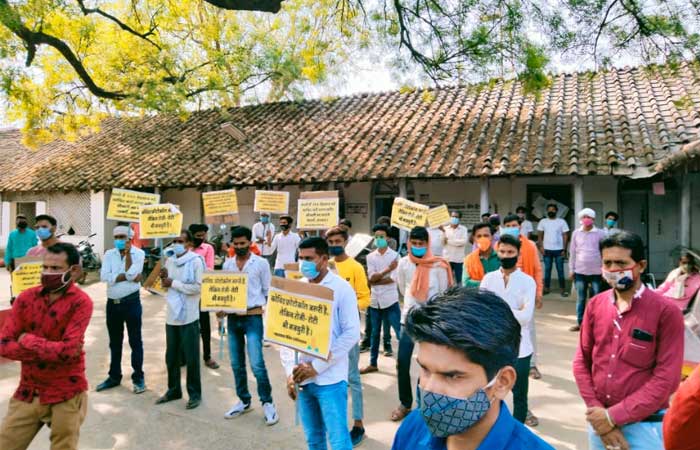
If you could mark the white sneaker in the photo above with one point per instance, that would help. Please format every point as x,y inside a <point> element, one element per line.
<point>270,412</point>
<point>237,410</point>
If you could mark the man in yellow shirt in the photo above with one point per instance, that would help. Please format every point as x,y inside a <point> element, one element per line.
<point>352,272</point>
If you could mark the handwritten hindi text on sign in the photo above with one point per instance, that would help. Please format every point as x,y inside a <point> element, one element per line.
<point>438,216</point>
<point>317,214</point>
<point>126,205</point>
<point>160,221</point>
<point>273,202</point>
<point>26,275</point>
<point>224,291</point>
<point>406,214</point>
<point>220,203</point>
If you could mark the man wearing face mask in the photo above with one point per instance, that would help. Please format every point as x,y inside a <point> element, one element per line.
<point>45,331</point>
<point>19,242</point>
<point>611,222</point>
<point>419,276</point>
<point>456,238</point>
<point>204,249</point>
<point>468,346</point>
<point>483,259</point>
<point>352,272</point>
<point>121,270</point>
<point>630,353</point>
<point>323,395</point>
<point>46,232</point>
<point>526,227</point>
<point>518,290</point>
<point>286,244</point>
<point>245,331</point>
<point>263,232</point>
<point>585,262</point>
<point>552,240</point>
<point>182,275</point>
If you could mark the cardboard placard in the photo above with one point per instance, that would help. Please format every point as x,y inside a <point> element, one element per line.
<point>299,316</point>
<point>438,216</point>
<point>224,291</point>
<point>27,274</point>
<point>273,202</point>
<point>125,205</point>
<point>317,213</point>
<point>357,243</point>
<point>160,221</point>
<point>220,203</point>
<point>406,214</point>
<point>291,271</point>
<point>152,283</point>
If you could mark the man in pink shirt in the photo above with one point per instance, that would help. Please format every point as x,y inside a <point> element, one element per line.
<point>630,353</point>
<point>206,251</point>
<point>46,232</point>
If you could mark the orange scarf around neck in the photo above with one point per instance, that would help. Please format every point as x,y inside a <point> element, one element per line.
<point>420,283</point>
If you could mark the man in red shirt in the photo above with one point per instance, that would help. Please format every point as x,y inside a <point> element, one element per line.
<point>46,333</point>
<point>630,353</point>
<point>682,421</point>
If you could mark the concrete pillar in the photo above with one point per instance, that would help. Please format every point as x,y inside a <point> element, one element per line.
<point>403,193</point>
<point>578,196</point>
<point>40,208</point>
<point>685,211</point>
<point>6,222</point>
<point>484,197</point>
<point>97,221</point>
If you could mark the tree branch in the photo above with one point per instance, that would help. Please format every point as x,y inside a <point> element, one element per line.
<point>121,24</point>
<point>272,6</point>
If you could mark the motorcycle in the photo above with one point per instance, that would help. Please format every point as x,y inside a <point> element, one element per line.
<point>89,260</point>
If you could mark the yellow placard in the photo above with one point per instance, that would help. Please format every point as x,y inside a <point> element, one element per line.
<point>220,203</point>
<point>406,214</point>
<point>26,275</point>
<point>224,291</point>
<point>297,319</point>
<point>160,221</point>
<point>317,214</point>
<point>293,275</point>
<point>273,202</point>
<point>125,205</point>
<point>438,216</point>
<point>153,284</point>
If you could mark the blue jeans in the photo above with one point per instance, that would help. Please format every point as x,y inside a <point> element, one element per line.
<point>323,411</point>
<point>583,283</point>
<point>379,317</point>
<point>245,333</point>
<point>127,312</point>
<point>640,436</point>
<point>355,382</point>
<point>279,273</point>
<point>366,341</point>
<point>457,270</point>
<point>554,256</point>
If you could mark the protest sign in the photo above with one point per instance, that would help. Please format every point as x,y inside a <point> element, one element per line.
<point>357,243</point>
<point>291,271</point>
<point>27,274</point>
<point>299,316</point>
<point>152,283</point>
<point>273,202</point>
<point>317,210</point>
<point>224,291</point>
<point>125,205</point>
<point>406,214</point>
<point>160,221</point>
<point>220,203</point>
<point>438,216</point>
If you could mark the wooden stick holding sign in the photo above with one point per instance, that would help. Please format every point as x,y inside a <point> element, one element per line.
<point>317,210</point>
<point>224,291</point>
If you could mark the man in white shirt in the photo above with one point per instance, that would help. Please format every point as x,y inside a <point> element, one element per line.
<point>286,244</point>
<point>245,331</point>
<point>263,232</point>
<point>121,270</point>
<point>456,239</point>
<point>437,240</point>
<point>552,239</point>
<point>526,227</point>
<point>323,398</point>
<point>518,290</point>
<point>438,280</point>
<point>381,265</point>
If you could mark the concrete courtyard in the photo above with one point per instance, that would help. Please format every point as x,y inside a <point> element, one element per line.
<point>118,419</point>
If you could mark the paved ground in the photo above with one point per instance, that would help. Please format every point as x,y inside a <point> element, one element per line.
<point>119,419</point>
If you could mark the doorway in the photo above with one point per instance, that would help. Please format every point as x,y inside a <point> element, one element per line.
<point>561,193</point>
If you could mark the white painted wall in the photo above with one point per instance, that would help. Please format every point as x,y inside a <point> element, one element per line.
<point>97,221</point>
<point>188,200</point>
<point>359,193</point>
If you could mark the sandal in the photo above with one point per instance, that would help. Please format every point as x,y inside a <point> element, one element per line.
<point>531,420</point>
<point>399,413</point>
<point>535,373</point>
<point>211,364</point>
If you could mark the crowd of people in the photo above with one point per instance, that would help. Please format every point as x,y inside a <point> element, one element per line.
<point>469,300</point>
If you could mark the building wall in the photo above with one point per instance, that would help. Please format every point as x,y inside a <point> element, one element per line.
<point>694,211</point>
<point>358,206</point>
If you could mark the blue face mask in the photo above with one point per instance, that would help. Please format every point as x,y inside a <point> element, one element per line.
<point>264,219</point>
<point>380,242</point>
<point>120,244</point>
<point>309,270</point>
<point>179,249</point>
<point>419,252</point>
<point>513,231</point>
<point>336,250</point>
<point>611,223</point>
<point>454,221</point>
<point>43,233</point>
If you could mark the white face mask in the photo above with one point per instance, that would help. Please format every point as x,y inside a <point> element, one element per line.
<point>620,280</point>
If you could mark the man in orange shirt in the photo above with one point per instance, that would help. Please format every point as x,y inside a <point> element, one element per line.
<point>682,421</point>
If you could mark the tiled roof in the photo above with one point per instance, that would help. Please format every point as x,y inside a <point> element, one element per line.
<point>614,122</point>
<point>687,158</point>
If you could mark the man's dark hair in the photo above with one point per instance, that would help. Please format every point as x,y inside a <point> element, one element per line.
<point>346,222</point>
<point>476,322</point>
<point>50,219</point>
<point>419,233</point>
<point>511,218</point>
<point>612,213</point>
<point>627,240</point>
<point>521,209</point>
<point>289,219</point>
<point>494,220</point>
<point>380,227</point>
<point>20,216</point>
<point>198,227</point>
<point>188,235</point>
<point>384,220</point>
<point>317,243</point>
<point>479,226</point>
<point>485,215</point>
<point>509,240</point>
<point>72,255</point>
<point>553,205</point>
<point>337,231</point>
<point>459,213</point>
<point>241,231</point>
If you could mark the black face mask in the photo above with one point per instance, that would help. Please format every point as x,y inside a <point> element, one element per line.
<point>551,214</point>
<point>284,227</point>
<point>197,242</point>
<point>508,263</point>
<point>22,225</point>
<point>241,251</point>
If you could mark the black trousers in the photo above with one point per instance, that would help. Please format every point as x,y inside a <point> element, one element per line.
<point>125,311</point>
<point>181,339</point>
<point>205,330</point>
<point>521,388</point>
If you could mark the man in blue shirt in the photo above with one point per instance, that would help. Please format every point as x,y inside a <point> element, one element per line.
<point>468,345</point>
<point>19,242</point>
